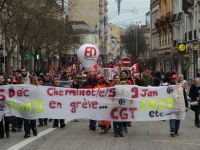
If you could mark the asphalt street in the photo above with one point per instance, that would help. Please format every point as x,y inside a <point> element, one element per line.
<point>77,136</point>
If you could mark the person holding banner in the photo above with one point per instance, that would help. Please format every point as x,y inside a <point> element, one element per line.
<point>194,94</point>
<point>5,119</point>
<point>26,78</point>
<point>118,126</point>
<point>88,84</point>
<point>174,123</point>
<point>101,83</point>
<point>125,81</point>
<point>42,121</point>
<point>62,121</point>
<point>147,79</point>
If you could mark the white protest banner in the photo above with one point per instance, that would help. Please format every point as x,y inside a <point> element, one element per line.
<point>118,103</point>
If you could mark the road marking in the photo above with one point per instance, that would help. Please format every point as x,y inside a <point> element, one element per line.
<point>176,142</point>
<point>33,138</point>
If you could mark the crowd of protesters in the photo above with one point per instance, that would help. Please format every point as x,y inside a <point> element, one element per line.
<point>93,80</point>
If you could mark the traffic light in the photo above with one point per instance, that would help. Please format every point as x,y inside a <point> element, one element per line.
<point>38,56</point>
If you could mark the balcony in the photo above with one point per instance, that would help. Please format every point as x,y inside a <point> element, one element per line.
<point>186,4</point>
<point>106,16</point>
<point>100,3</point>
<point>162,20</point>
<point>174,18</point>
<point>106,2</point>
<point>101,19</point>
<point>106,9</point>
<point>153,1</point>
<point>180,16</point>
<point>168,16</point>
<point>106,29</point>
<point>100,11</point>
<point>157,23</point>
<point>190,35</point>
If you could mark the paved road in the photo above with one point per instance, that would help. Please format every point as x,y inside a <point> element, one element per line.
<point>77,136</point>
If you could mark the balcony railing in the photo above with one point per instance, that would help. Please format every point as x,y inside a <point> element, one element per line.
<point>100,11</point>
<point>106,9</point>
<point>162,20</point>
<point>100,3</point>
<point>168,16</point>
<point>101,19</point>
<point>106,2</point>
<point>174,18</point>
<point>186,4</point>
<point>157,23</point>
<point>180,16</point>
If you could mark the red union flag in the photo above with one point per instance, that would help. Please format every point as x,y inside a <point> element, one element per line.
<point>96,68</point>
<point>134,67</point>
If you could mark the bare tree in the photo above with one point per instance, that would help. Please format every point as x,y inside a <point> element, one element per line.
<point>129,41</point>
<point>34,25</point>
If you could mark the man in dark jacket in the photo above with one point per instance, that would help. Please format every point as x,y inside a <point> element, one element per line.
<point>90,83</point>
<point>194,95</point>
<point>6,119</point>
<point>156,81</point>
<point>26,78</point>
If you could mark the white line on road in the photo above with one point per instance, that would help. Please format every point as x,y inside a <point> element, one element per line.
<point>33,138</point>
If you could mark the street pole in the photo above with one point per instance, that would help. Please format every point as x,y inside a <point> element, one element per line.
<point>74,54</point>
<point>17,52</point>
<point>136,39</point>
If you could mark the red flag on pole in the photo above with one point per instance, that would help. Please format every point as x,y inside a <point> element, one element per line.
<point>135,67</point>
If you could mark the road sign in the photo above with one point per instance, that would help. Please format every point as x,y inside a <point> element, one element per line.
<point>126,62</point>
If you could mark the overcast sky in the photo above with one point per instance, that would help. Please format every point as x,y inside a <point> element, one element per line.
<point>126,18</point>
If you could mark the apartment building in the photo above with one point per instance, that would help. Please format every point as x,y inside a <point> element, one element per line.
<point>94,14</point>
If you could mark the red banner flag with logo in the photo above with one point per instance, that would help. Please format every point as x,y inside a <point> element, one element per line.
<point>96,68</point>
<point>135,67</point>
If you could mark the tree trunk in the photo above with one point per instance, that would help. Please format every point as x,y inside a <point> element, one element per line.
<point>42,62</point>
<point>7,66</point>
<point>22,59</point>
<point>35,63</point>
<point>49,63</point>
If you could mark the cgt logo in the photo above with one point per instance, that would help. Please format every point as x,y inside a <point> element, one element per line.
<point>170,90</point>
<point>2,107</point>
<point>90,53</point>
<point>112,73</point>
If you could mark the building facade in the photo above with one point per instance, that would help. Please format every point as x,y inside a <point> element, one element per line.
<point>154,35</point>
<point>94,14</point>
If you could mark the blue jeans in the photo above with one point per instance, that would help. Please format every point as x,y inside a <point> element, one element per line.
<point>118,127</point>
<point>17,122</point>
<point>42,121</point>
<point>174,125</point>
<point>93,122</point>
<point>29,124</point>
